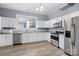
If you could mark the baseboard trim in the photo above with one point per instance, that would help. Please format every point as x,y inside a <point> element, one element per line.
<point>17,44</point>
<point>6,46</point>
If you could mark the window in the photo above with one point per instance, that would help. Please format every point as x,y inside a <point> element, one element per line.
<point>27,21</point>
<point>32,22</point>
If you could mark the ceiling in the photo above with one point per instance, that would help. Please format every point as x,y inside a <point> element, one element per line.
<point>31,7</point>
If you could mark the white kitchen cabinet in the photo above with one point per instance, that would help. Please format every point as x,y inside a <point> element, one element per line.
<point>44,24</point>
<point>25,38</point>
<point>59,19</point>
<point>4,22</point>
<point>2,40</point>
<point>33,37</point>
<point>6,40</point>
<point>22,18</point>
<point>12,22</point>
<point>7,22</point>
<point>47,36</point>
<point>51,23</point>
<point>9,39</point>
<point>61,41</point>
<point>29,37</point>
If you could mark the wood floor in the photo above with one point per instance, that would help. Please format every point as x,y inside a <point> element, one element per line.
<point>33,49</point>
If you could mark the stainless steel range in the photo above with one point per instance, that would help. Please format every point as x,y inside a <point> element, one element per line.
<point>55,39</point>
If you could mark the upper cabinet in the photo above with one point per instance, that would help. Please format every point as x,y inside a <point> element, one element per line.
<point>44,24</point>
<point>21,18</point>
<point>57,22</point>
<point>7,22</point>
<point>61,21</point>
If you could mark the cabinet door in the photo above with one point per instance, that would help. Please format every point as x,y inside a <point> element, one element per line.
<point>4,22</point>
<point>25,38</point>
<point>45,36</point>
<point>38,37</point>
<point>9,40</point>
<point>7,22</point>
<point>11,22</point>
<point>61,41</point>
<point>2,40</point>
<point>34,37</point>
<point>31,38</point>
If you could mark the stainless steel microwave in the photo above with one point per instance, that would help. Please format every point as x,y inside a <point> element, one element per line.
<point>57,24</point>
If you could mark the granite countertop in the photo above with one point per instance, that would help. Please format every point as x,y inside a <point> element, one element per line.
<point>23,33</point>
<point>34,32</point>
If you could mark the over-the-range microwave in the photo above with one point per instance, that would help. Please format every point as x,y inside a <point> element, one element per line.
<point>57,24</point>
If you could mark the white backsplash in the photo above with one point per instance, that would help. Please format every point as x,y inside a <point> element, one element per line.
<point>33,30</point>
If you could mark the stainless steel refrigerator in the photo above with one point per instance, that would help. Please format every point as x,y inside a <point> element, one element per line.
<point>71,40</point>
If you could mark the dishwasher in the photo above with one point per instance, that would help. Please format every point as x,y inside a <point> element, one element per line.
<point>17,38</point>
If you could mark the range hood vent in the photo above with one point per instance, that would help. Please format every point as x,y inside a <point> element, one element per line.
<point>67,6</point>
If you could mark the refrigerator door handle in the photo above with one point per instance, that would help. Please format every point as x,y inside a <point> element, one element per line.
<point>73,42</point>
<point>74,35</point>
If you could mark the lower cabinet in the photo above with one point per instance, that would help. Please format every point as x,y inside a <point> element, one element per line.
<point>2,40</point>
<point>9,39</point>
<point>5,40</point>
<point>61,41</point>
<point>33,37</point>
<point>25,38</point>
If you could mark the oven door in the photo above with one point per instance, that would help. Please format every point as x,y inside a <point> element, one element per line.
<point>54,40</point>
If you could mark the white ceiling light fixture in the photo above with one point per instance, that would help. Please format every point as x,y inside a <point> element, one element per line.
<point>37,9</point>
<point>41,8</point>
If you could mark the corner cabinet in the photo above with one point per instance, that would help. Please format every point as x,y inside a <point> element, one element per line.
<point>6,40</point>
